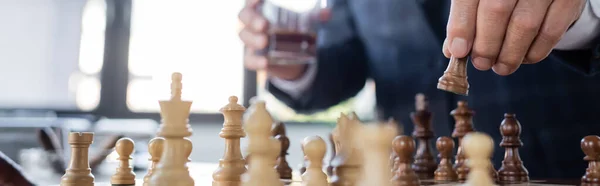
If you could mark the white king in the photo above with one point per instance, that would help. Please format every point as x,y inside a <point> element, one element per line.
<point>172,169</point>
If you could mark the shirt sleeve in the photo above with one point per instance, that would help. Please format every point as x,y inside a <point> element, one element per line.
<point>295,88</point>
<point>584,32</point>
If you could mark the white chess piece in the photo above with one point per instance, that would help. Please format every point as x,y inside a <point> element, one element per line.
<point>314,148</point>
<point>478,148</point>
<point>262,146</point>
<point>375,142</point>
<point>172,168</point>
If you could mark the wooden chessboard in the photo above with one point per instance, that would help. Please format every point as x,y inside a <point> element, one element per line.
<point>202,174</point>
<point>208,181</point>
<point>531,183</point>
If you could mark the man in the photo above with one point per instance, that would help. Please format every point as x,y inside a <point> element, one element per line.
<point>544,57</point>
<point>11,173</point>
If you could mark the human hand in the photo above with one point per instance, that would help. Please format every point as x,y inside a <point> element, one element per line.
<point>255,37</point>
<point>503,34</point>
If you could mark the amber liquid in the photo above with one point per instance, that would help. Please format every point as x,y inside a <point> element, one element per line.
<point>291,48</point>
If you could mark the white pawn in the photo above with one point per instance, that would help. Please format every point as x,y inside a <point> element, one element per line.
<point>124,175</point>
<point>478,148</point>
<point>314,148</point>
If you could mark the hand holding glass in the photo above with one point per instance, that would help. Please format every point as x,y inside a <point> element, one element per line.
<point>293,30</point>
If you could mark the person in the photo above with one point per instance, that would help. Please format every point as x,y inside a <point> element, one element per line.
<point>537,59</point>
<point>12,173</point>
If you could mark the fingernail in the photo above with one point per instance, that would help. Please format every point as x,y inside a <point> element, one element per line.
<point>482,63</point>
<point>502,69</point>
<point>445,48</point>
<point>458,47</point>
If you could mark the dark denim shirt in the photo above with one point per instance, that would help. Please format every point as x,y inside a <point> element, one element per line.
<point>397,43</point>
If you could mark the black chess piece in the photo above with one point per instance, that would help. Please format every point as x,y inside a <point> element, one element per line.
<point>425,163</point>
<point>405,175</point>
<point>591,147</point>
<point>512,169</point>
<point>463,117</point>
<point>444,171</point>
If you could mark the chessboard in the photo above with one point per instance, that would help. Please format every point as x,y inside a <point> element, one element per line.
<point>363,154</point>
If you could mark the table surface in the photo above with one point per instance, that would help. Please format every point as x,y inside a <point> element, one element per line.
<point>202,175</point>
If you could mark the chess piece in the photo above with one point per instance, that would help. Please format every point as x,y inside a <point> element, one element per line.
<point>392,160</point>
<point>444,171</point>
<point>155,148</point>
<point>393,155</point>
<point>303,164</point>
<point>425,163</point>
<point>463,117</point>
<point>172,168</point>
<point>347,163</point>
<point>591,147</point>
<point>455,77</point>
<point>512,169</point>
<point>124,176</point>
<point>79,173</point>
<point>278,129</point>
<point>404,175</point>
<point>314,149</point>
<point>232,164</point>
<point>188,148</point>
<point>376,142</point>
<point>247,159</point>
<point>283,168</point>
<point>478,148</point>
<point>262,146</point>
<point>333,152</point>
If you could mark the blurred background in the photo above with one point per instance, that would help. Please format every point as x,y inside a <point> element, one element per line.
<point>102,65</point>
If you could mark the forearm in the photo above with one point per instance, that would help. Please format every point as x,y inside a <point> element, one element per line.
<point>11,173</point>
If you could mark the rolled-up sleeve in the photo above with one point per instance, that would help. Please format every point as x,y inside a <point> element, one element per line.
<point>583,34</point>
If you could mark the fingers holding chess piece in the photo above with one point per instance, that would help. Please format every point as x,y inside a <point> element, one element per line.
<point>478,148</point>
<point>314,149</point>
<point>591,147</point>
<point>124,175</point>
<point>455,77</point>
<point>445,172</point>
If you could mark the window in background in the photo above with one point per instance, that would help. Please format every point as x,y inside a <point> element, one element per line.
<point>91,55</point>
<point>198,39</point>
<point>41,43</point>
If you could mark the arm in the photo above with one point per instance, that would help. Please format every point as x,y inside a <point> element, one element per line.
<point>580,46</point>
<point>340,73</point>
<point>11,173</point>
